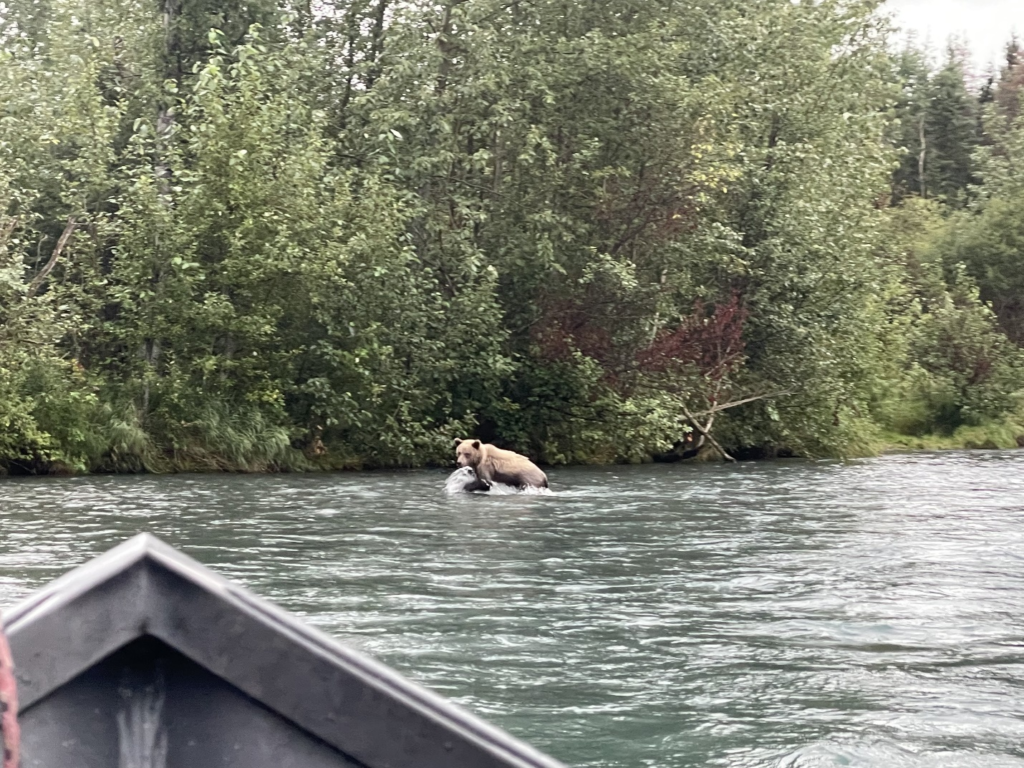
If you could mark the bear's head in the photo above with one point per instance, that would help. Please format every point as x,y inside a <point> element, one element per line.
<point>468,452</point>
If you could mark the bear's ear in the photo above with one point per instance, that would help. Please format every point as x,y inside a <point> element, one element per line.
<point>476,444</point>
<point>456,442</point>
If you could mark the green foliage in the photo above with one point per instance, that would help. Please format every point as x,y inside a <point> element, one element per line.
<point>938,130</point>
<point>252,236</point>
<point>49,417</point>
<point>961,268</point>
<point>989,240</point>
<point>975,367</point>
<point>958,368</point>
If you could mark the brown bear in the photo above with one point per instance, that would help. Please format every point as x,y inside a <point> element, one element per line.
<point>495,465</point>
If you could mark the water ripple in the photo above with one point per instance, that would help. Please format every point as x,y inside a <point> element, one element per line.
<point>783,615</point>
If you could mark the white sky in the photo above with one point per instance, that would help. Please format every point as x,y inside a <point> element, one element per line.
<point>986,24</point>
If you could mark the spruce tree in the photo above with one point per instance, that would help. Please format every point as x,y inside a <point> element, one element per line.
<point>951,128</point>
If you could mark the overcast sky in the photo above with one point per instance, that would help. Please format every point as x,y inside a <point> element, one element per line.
<point>986,24</point>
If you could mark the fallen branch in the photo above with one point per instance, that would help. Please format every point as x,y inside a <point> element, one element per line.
<point>706,434</point>
<point>37,282</point>
<point>744,401</point>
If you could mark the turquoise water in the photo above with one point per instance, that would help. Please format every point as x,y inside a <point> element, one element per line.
<point>868,613</point>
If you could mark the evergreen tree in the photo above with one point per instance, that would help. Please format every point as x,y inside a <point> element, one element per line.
<point>940,127</point>
<point>951,129</point>
<point>1011,82</point>
<point>914,76</point>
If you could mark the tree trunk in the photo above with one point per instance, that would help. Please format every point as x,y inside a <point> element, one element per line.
<point>921,159</point>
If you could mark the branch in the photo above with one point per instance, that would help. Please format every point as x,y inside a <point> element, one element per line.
<point>744,401</point>
<point>707,435</point>
<point>37,282</point>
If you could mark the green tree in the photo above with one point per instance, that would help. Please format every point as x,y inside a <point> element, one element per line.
<point>255,236</point>
<point>951,128</point>
<point>914,76</point>
<point>939,129</point>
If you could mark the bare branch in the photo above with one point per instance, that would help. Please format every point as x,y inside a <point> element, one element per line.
<point>744,401</point>
<point>37,282</point>
<point>706,434</point>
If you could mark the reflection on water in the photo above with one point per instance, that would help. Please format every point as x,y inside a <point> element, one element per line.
<point>141,735</point>
<point>795,614</point>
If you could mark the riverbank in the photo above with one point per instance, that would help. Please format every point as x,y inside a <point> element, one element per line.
<point>270,240</point>
<point>1006,435</point>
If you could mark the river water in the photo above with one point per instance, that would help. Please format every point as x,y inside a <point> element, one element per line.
<point>868,613</point>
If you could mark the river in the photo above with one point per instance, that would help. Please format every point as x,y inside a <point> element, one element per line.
<point>792,613</point>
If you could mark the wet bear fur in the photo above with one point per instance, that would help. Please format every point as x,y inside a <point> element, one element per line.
<point>496,465</point>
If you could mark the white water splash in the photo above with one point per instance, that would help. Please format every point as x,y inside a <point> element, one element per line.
<point>462,477</point>
<point>500,489</point>
<point>458,480</point>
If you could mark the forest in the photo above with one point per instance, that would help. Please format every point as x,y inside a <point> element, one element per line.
<point>253,236</point>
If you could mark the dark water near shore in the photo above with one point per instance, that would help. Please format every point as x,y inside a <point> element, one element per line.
<point>769,614</point>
